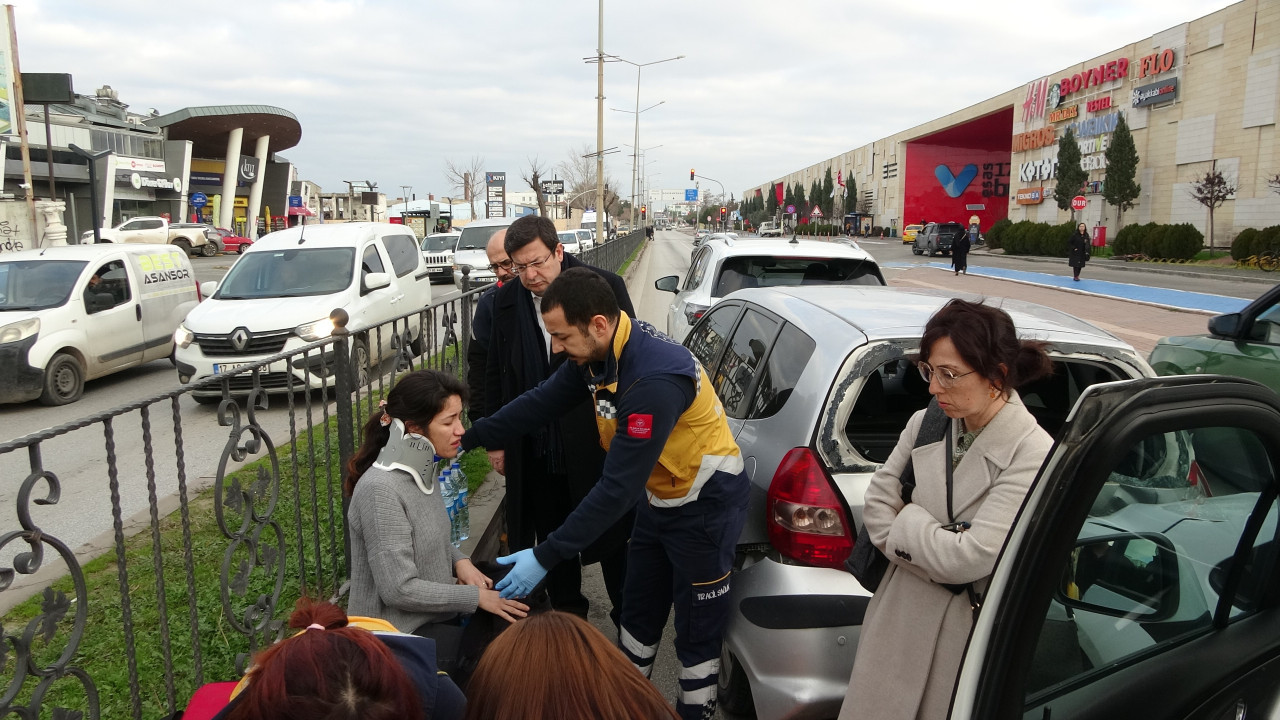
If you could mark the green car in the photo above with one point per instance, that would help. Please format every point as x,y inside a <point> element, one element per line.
<point>1245,344</point>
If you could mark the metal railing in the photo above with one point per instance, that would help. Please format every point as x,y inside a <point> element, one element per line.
<point>198,572</point>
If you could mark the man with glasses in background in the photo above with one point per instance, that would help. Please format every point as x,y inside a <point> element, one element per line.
<point>552,468</point>
<point>482,323</point>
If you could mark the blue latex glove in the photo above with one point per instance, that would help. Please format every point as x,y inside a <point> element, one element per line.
<point>526,574</point>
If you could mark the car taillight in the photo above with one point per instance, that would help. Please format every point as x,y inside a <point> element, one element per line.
<point>806,521</point>
<point>693,312</point>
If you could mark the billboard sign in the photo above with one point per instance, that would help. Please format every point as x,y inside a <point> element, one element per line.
<point>495,200</point>
<point>691,195</point>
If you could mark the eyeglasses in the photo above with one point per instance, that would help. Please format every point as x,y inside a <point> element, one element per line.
<point>519,269</point>
<point>505,265</point>
<point>946,378</point>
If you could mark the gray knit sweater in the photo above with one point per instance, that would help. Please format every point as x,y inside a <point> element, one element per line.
<point>401,557</point>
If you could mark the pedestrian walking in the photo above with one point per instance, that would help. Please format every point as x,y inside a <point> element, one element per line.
<point>1078,250</point>
<point>942,535</point>
<point>671,456</point>
<point>960,254</point>
<point>551,466</point>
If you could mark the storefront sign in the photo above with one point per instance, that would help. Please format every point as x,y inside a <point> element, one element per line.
<point>1046,169</point>
<point>1066,113</point>
<point>1034,139</point>
<point>1156,93</point>
<point>495,194</point>
<point>1095,126</point>
<point>139,164</point>
<point>1093,162</point>
<point>248,168</point>
<point>139,181</point>
<point>1106,72</point>
<point>1042,95</point>
<point>1097,104</point>
<point>995,179</point>
<point>1093,145</point>
<point>1031,196</point>
<point>1156,63</point>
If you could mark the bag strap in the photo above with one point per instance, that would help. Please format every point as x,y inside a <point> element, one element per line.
<point>975,602</point>
<point>932,429</point>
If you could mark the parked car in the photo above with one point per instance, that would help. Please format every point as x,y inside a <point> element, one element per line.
<point>75,313</point>
<point>570,240</point>
<point>937,238</point>
<point>189,237</point>
<point>586,239</point>
<point>228,241</point>
<point>437,252</point>
<point>700,234</point>
<point>909,233</point>
<point>818,383</point>
<point>471,255</point>
<point>278,296</point>
<point>1245,344</point>
<point>725,265</point>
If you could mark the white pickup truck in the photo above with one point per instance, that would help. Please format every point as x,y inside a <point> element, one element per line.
<point>770,228</point>
<point>190,237</point>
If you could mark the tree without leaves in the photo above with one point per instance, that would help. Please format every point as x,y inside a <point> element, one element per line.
<point>467,179</point>
<point>1071,178</point>
<point>1212,191</point>
<point>1119,188</point>
<point>534,175</point>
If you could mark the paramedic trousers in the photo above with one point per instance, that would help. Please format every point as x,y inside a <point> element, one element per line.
<point>681,557</point>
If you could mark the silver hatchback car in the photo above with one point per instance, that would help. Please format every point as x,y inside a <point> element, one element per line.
<point>818,384</point>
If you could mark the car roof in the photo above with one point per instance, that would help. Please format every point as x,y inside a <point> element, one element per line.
<point>737,247</point>
<point>489,222</point>
<point>452,233</point>
<point>325,236</point>
<point>882,313</point>
<point>88,251</point>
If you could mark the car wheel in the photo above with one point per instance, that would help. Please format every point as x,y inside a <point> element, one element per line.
<point>240,250</point>
<point>732,688</point>
<point>360,363</point>
<point>209,249</point>
<point>916,251</point>
<point>63,381</point>
<point>183,245</point>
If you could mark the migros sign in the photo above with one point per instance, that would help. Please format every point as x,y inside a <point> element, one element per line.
<point>1034,139</point>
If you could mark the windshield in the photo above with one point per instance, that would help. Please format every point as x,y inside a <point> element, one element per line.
<point>289,273</point>
<point>569,237</point>
<point>439,243</point>
<point>37,284</point>
<point>766,271</point>
<point>475,238</point>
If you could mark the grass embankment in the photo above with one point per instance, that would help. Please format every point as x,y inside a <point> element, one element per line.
<point>304,532</point>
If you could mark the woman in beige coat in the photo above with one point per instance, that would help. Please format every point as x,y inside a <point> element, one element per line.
<point>916,628</point>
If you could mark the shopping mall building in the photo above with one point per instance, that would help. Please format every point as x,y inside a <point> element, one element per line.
<point>1198,96</point>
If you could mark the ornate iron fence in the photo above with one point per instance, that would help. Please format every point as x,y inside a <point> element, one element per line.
<point>200,572</point>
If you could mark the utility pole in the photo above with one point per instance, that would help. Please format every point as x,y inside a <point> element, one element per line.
<point>600,127</point>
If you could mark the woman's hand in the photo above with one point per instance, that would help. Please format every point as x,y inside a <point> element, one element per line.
<point>468,574</point>
<point>509,610</point>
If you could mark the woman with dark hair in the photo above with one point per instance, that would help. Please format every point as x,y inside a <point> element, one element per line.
<point>403,567</point>
<point>557,665</point>
<point>333,670</point>
<point>1078,250</point>
<point>942,537</point>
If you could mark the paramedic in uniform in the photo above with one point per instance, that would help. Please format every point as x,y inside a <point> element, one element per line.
<point>670,453</point>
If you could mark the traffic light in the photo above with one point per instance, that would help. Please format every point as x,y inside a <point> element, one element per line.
<point>691,175</point>
<point>643,209</point>
<point>723,212</point>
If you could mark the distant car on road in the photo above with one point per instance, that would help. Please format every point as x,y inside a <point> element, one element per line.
<point>770,228</point>
<point>909,233</point>
<point>725,264</point>
<point>437,251</point>
<point>1245,344</point>
<point>471,255</point>
<point>570,240</point>
<point>228,241</point>
<point>937,238</point>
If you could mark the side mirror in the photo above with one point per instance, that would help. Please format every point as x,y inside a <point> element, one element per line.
<point>208,288</point>
<point>373,281</point>
<point>670,283</point>
<point>1129,575</point>
<point>1225,325</point>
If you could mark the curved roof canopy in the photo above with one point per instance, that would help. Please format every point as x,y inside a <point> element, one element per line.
<point>207,127</point>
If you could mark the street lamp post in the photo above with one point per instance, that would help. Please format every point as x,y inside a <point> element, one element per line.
<point>639,67</point>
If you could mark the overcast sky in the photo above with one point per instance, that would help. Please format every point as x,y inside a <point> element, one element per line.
<point>387,90</point>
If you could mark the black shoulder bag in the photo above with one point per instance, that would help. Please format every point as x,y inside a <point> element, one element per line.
<point>866,562</point>
<point>975,602</point>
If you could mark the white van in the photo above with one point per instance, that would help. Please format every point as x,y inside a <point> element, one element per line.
<point>278,296</point>
<point>74,313</point>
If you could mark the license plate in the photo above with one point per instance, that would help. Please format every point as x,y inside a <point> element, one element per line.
<point>224,368</point>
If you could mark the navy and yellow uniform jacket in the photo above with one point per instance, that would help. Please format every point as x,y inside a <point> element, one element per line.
<point>660,421</point>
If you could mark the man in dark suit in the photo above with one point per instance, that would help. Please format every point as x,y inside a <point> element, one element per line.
<point>552,468</point>
<point>482,323</point>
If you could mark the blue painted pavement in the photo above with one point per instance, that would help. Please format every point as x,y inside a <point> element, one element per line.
<point>1204,302</point>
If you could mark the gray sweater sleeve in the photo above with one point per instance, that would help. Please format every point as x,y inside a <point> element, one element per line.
<point>401,583</point>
